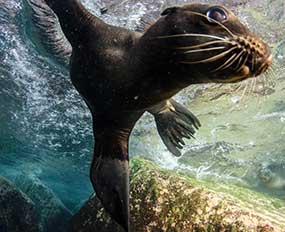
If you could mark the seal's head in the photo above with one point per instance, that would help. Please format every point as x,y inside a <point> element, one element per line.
<point>204,44</point>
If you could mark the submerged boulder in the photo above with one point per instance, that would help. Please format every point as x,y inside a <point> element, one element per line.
<point>53,215</point>
<point>17,211</point>
<point>165,201</point>
<point>92,217</point>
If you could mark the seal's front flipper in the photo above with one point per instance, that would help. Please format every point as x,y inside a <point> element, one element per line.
<point>174,122</point>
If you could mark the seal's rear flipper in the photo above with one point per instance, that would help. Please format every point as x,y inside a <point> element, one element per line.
<point>110,167</point>
<point>110,178</point>
<point>174,122</point>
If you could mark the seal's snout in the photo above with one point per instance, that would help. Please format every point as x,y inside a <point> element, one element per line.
<point>261,56</point>
<point>256,53</point>
<point>264,64</point>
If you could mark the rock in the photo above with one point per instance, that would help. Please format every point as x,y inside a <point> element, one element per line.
<point>17,211</point>
<point>165,201</point>
<point>92,217</point>
<point>52,213</point>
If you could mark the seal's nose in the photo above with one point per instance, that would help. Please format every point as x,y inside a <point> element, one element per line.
<point>265,64</point>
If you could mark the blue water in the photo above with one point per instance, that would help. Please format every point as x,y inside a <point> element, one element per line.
<point>45,128</point>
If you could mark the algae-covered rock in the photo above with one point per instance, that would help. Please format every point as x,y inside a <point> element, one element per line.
<point>165,201</point>
<point>53,215</point>
<point>92,217</point>
<point>17,211</point>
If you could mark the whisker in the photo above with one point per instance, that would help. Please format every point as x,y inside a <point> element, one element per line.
<point>239,62</point>
<point>254,85</point>
<point>264,77</point>
<point>225,64</point>
<point>214,58</point>
<point>244,62</point>
<point>271,70</point>
<point>261,86</point>
<point>204,50</point>
<point>266,82</point>
<point>271,78</point>
<point>251,85</point>
<point>268,75</point>
<point>238,56</point>
<point>252,62</point>
<point>230,62</point>
<point>255,61</point>
<point>203,45</point>
<point>191,35</point>
<point>244,91</point>
<point>215,21</point>
<point>240,87</point>
<point>273,67</point>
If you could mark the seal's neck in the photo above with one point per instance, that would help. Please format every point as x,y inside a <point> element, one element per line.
<point>156,59</point>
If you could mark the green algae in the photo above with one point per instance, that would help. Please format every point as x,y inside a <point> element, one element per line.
<point>162,200</point>
<point>176,192</point>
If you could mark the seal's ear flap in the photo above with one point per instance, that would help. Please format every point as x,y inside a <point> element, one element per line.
<point>169,11</point>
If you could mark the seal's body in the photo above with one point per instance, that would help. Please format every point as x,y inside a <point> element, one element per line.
<point>121,74</point>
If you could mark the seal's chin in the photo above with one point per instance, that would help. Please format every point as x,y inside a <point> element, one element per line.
<point>242,74</point>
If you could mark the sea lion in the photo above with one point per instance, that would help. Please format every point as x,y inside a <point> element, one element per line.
<point>172,125</point>
<point>270,176</point>
<point>121,74</point>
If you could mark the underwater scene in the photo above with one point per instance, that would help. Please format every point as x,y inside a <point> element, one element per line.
<point>228,172</point>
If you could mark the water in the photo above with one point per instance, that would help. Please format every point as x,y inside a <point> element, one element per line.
<point>44,123</point>
<point>45,127</point>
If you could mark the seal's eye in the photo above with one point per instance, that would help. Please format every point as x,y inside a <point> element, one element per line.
<point>217,14</point>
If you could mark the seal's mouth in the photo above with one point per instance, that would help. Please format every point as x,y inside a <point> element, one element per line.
<point>249,70</point>
<point>255,69</point>
<point>264,65</point>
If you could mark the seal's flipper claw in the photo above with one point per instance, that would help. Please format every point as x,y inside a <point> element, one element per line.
<point>184,112</point>
<point>168,143</point>
<point>110,178</point>
<point>174,122</point>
